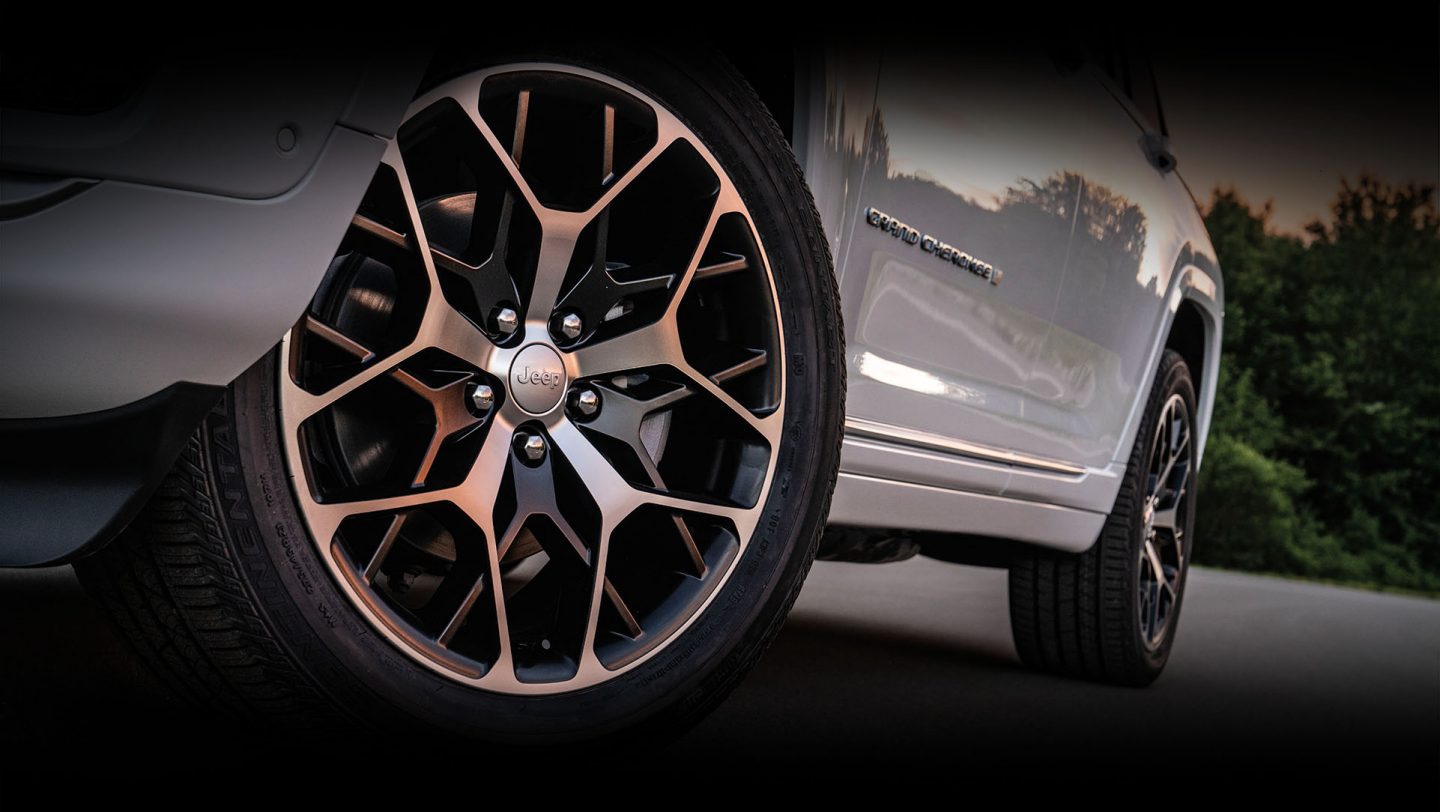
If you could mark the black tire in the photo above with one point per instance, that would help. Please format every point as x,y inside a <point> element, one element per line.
<point>219,585</point>
<point>1076,615</point>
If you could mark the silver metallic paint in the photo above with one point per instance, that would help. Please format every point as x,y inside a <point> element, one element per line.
<point>125,289</point>
<point>1040,171</point>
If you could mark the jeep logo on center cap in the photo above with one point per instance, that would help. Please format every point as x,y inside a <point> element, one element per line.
<point>537,379</point>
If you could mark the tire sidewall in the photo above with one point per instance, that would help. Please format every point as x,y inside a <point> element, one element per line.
<point>365,674</point>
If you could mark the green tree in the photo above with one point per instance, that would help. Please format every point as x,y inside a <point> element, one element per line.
<point>1325,457</point>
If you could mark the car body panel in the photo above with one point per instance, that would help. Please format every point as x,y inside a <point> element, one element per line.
<point>1030,389</point>
<point>153,250</point>
<point>982,409</point>
<point>193,240</point>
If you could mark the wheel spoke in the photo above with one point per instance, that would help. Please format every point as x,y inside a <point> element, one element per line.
<point>386,542</point>
<point>612,596</point>
<point>623,415</point>
<point>379,231</point>
<point>727,202</point>
<point>561,231</point>
<point>325,517</point>
<point>621,419</point>
<point>1166,519</point>
<point>509,159</point>
<point>1153,557</point>
<point>757,359</point>
<point>768,426</point>
<point>477,497</point>
<point>655,344</point>
<point>1152,620</point>
<point>1162,482</point>
<point>597,293</point>
<point>313,326</point>
<point>452,418</point>
<point>612,494</point>
<point>733,263</point>
<point>535,492</point>
<point>743,518</point>
<point>490,282</point>
<point>458,619</point>
<point>668,134</point>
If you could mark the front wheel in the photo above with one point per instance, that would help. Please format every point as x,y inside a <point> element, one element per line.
<point>549,452</point>
<point>1110,614</point>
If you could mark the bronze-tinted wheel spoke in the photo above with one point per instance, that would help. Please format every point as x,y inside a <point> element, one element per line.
<point>462,614</point>
<point>386,542</point>
<point>490,523</point>
<point>380,231</point>
<point>623,415</point>
<point>1165,519</point>
<point>601,295</point>
<point>325,518</point>
<point>1162,553</point>
<point>315,327</point>
<point>653,345</point>
<point>452,417</point>
<point>767,425</point>
<point>730,263</point>
<point>562,233</point>
<point>756,360</point>
<point>612,596</point>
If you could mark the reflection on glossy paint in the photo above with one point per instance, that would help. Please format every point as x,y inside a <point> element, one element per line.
<point>916,380</point>
<point>1028,168</point>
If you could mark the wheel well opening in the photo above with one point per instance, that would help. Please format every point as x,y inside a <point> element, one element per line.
<point>1187,337</point>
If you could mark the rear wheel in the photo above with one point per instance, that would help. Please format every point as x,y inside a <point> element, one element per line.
<point>1110,614</point>
<point>548,454</point>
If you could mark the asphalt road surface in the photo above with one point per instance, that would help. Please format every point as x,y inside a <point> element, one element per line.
<point>908,669</point>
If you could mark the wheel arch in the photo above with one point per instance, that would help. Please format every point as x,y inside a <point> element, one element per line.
<point>1194,330</point>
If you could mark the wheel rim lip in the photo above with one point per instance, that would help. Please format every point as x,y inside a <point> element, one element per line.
<point>1154,638</point>
<point>497,360</point>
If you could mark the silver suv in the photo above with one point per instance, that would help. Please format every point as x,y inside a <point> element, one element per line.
<point>504,391</point>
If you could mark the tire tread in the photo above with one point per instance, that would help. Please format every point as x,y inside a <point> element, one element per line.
<point>1071,613</point>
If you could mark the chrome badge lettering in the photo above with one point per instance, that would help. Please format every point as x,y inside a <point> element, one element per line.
<point>538,377</point>
<point>932,245</point>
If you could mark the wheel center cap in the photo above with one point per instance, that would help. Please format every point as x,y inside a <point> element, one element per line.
<point>537,379</point>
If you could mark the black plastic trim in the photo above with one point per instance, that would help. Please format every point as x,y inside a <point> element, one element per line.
<point>70,484</point>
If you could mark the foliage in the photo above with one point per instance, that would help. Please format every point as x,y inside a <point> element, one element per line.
<point>1324,457</point>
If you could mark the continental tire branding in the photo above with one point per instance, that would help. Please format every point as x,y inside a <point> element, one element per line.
<point>932,245</point>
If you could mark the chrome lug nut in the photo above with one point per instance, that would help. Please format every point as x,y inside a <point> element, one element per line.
<point>482,397</point>
<point>587,402</point>
<point>533,446</point>
<point>570,326</point>
<point>506,320</point>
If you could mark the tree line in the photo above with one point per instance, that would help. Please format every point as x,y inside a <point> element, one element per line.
<point>1324,454</point>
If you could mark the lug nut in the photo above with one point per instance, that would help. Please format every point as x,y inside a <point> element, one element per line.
<point>587,402</point>
<point>506,320</point>
<point>533,445</point>
<point>482,397</point>
<point>570,326</point>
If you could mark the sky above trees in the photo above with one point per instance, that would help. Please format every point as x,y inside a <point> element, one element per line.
<point>1283,111</point>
